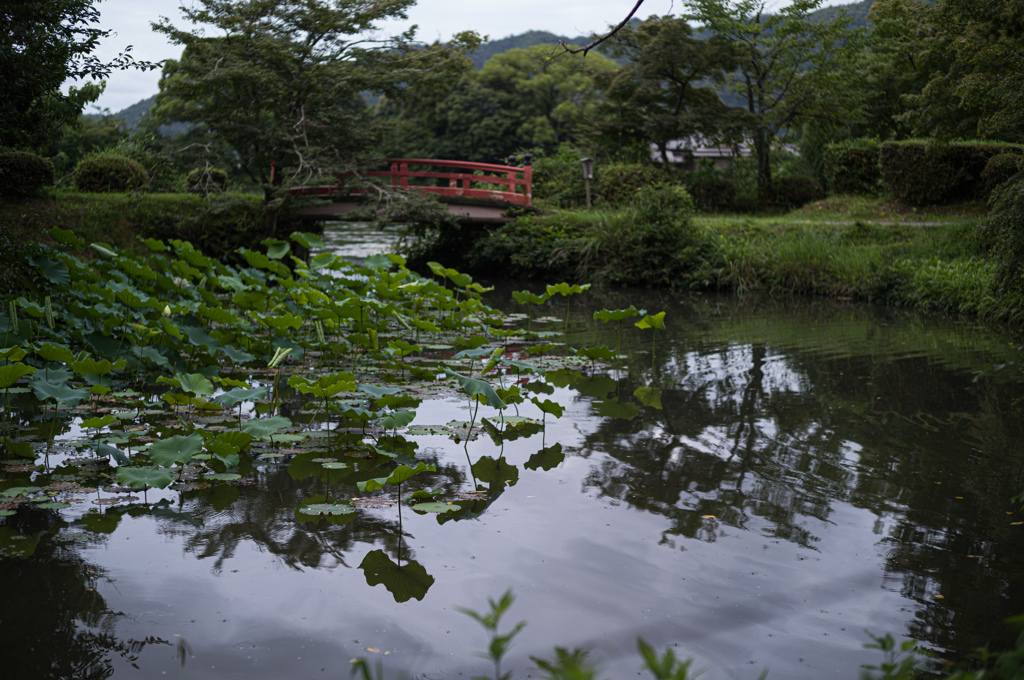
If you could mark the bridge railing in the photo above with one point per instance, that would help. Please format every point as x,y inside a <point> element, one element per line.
<point>456,179</point>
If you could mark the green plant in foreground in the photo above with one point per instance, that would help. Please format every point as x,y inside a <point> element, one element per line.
<point>499,644</point>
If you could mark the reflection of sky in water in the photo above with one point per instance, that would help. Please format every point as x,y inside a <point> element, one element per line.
<point>752,522</point>
<point>357,240</point>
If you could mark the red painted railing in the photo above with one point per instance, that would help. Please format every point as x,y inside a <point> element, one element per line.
<point>457,179</point>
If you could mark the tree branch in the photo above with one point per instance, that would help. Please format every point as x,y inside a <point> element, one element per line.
<point>586,48</point>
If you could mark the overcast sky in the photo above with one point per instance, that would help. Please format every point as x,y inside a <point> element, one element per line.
<point>437,19</point>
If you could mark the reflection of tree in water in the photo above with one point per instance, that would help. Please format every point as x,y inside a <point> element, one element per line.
<point>265,514</point>
<point>749,431</point>
<point>737,437</point>
<point>53,622</point>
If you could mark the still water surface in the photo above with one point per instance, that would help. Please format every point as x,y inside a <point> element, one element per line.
<point>802,472</point>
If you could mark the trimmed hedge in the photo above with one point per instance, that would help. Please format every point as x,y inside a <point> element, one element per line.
<point>924,172</point>
<point>797,191</point>
<point>108,172</point>
<point>852,166</point>
<point>24,174</point>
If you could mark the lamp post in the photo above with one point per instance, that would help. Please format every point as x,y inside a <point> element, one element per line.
<point>588,174</point>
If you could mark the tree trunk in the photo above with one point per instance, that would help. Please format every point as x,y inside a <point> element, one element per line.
<point>763,151</point>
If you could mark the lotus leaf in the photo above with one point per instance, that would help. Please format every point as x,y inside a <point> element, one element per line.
<point>436,507</point>
<point>177,449</point>
<point>141,477</point>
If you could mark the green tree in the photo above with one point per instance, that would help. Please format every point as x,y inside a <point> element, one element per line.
<point>42,46</point>
<point>282,83</point>
<point>522,98</point>
<point>76,140</point>
<point>976,87</point>
<point>791,68</point>
<point>664,92</point>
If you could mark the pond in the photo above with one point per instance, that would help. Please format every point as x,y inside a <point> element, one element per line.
<point>755,486</point>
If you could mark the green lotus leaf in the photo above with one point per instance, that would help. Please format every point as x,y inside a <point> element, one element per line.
<point>223,476</point>
<point>19,449</point>
<point>11,373</point>
<point>50,352</point>
<point>397,419</point>
<point>606,315</point>
<point>436,507</point>
<point>196,383</point>
<point>12,353</point>
<point>307,240</point>
<point>652,321</point>
<point>474,386</point>
<point>20,491</point>
<point>97,423</point>
<point>113,452</point>
<point>327,509</point>
<point>59,392</point>
<point>263,428</point>
<point>141,477</point>
<point>53,505</point>
<point>177,449</point>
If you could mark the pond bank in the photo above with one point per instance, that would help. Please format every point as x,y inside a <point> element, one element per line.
<point>933,261</point>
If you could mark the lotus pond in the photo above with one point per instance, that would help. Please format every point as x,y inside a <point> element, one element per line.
<point>270,468</point>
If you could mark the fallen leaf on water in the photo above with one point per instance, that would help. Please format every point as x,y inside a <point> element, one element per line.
<point>1013,524</point>
<point>707,516</point>
<point>939,597</point>
<point>372,649</point>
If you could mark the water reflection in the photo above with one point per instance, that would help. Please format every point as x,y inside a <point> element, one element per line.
<point>752,436</point>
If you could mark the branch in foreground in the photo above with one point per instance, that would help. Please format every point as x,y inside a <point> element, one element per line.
<point>586,48</point>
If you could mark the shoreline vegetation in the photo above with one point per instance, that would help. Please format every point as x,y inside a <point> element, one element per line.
<point>871,249</point>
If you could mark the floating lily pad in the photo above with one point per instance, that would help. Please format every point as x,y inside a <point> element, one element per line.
<point>223,476</point>
<point>327,509</point>
<point>53,505</point>
<point>437,507</point>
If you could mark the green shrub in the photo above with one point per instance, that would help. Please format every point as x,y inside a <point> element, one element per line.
<point>108,172</point>
<point>651,243</point>
<point>794,192</point>
<point>618,184</point>
<point>1000,169</point>
<point>852,166</point>
<point>558,178</point>
<point>713,194</point>
<point>922,172</point>
<point>206,180</point>
<point>24,174</point>
<point>1005,227</point>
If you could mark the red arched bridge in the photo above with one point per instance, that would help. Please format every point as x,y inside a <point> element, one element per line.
<point>474,192</point>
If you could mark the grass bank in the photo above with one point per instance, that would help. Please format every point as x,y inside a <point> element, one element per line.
<point>871,249</point>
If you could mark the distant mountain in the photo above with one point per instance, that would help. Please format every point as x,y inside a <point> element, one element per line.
<point>521,41</point>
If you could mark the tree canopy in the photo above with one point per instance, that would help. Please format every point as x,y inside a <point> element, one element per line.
<point>665,91</point>
<point>790,67</point>
<point>282,82</point>
<point>43,45</point>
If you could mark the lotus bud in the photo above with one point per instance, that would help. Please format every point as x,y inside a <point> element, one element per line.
<point>167,310</point>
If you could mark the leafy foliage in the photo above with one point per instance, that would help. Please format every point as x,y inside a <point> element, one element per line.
<point>921,172</point>
<point>44,45</point>
<point>109,172</point>
<point>24,174</point>
<point>797,191</point>
<point>852,166</point>
<point>282,82</point>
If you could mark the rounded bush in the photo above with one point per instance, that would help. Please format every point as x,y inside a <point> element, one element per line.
<point>206,180</point>
<point>109,173</point>
<point>618,184</point>
<point>24,174</point>
<point>713,194</point>
<point>999,169</point>
<point>797,191</point>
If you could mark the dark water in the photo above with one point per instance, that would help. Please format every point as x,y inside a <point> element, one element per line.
<point>815,470</point>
